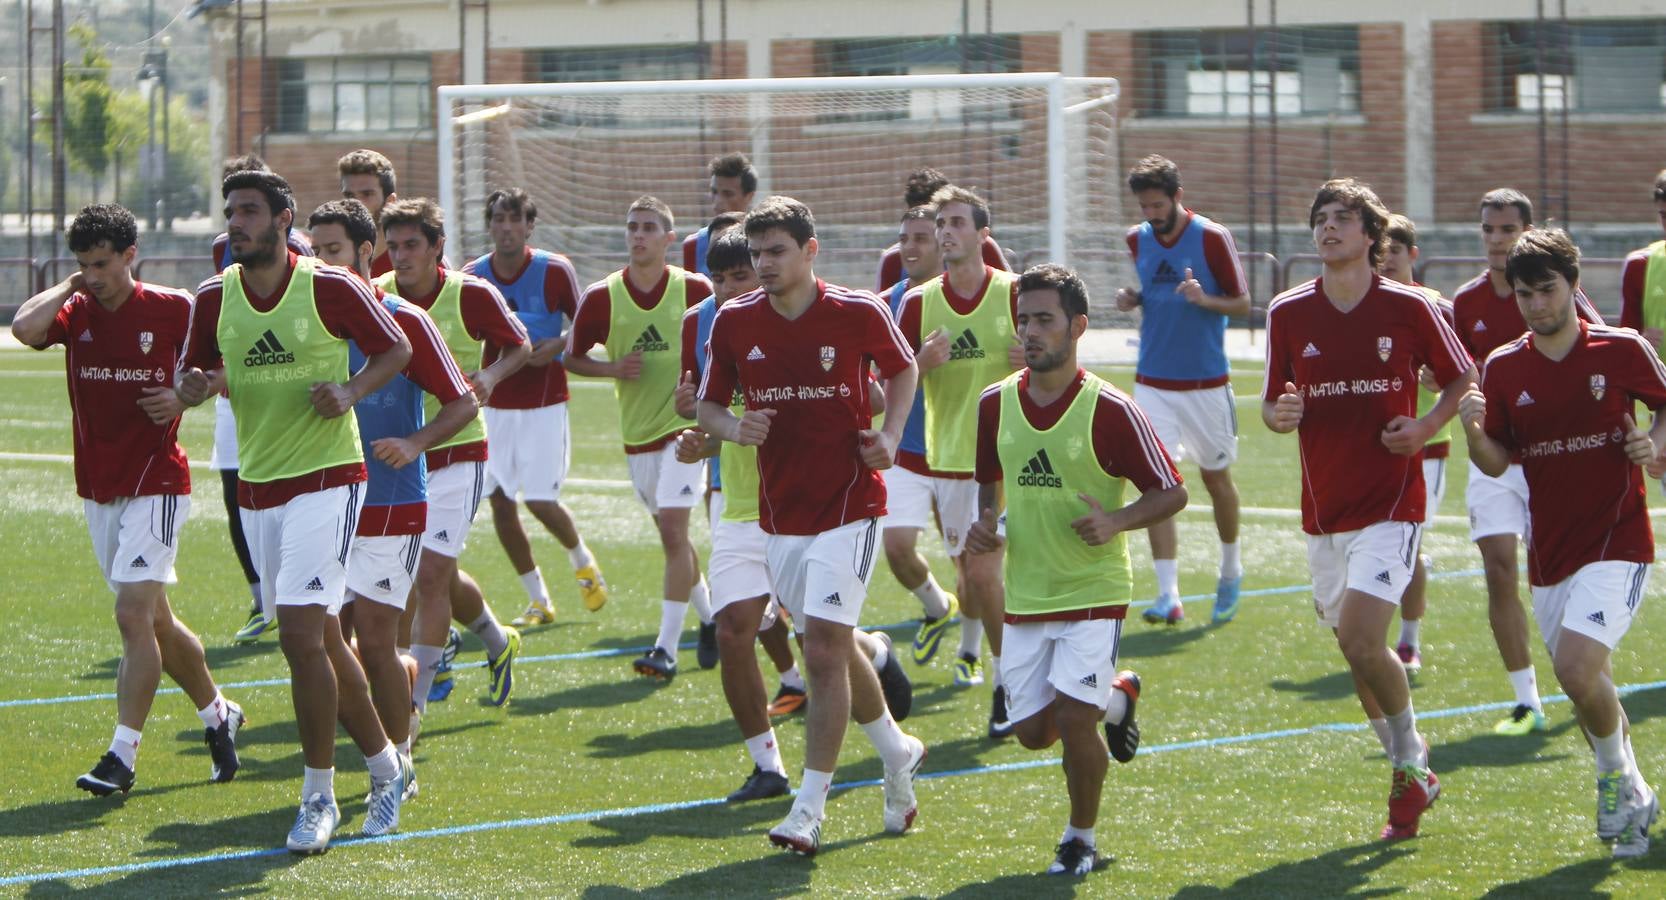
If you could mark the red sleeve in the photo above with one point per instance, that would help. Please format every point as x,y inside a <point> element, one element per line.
<point>57,332</point>
<point>697,287</point>
<point>1631,291</point>
<point>431,365</point>
<point>890,267</point>
<point>988,469</point>
<point>1443,353</point>
<point>1497,423</point>
<point>992,256</point>
<point>691,335</point>
<point>1221,255</point>
<point>1133,239</point>
<point>561,288</point>
<point>349,309</point>
<point>218,250</point>
<point>908,318</point>
<point>1585,309</point>
<point>487,317</point>
<point>591,321</point>
<point>717,383</point>
<point>885,344</point>
<point>1648,381</point>
<point>691,247</point>
<point>1278,369</point>
<point>1127,445</point>
<point>202,349</point>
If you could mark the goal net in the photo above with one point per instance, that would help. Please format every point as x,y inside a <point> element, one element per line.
<point>1039,147</point>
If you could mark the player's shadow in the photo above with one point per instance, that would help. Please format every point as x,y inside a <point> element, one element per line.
<point>1493,751</point>
<point>1345,871</point>
<point>1333,686</point>
<point>778,874</point>
<point>708,736</point>
<point>935,700</point>
<point>103,671</point>
<point>1158,640</point>
<point>1035,885</point>
<point>56,816</point>
<point>696,823</point>
<point>589,696</point>
<point>230,656</point>
<point>1571,882</point>
<point>946,756</point>
<point>245,832</point>
<point>232,877</point>
<point>637,642</point>
<point>1641,706</point>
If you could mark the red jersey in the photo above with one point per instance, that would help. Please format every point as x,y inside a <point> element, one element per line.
<point>347,307</point>
<point>908,322</point>
<point>110,358</point>
<point>532,387</point>
<point>1123,439</point>
<point>1486,321</point>
<point>890,263</point>
<point>1631,289</point>
<point>813,371</point>
<point>1565,420</point>
<point>1356,371</point>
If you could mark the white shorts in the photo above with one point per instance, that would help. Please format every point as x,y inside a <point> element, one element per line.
<point>382,568</point>
<point>1496,505</point>
<point>529,451</point>
<point>663,483</point>
<point>1598,601</point>
<point>300,549</point>
<point>225,435</point>
<point>824,575</point>
<point>1375,560</point>
<point>1200,425</point>
<point>738,568</point>
<point>453,496</point>
<point>1040,660</point>
<point>137,538</point>
<point>910,496</point>
<point>1434,487</point>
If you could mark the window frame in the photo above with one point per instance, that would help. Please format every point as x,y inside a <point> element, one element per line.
<point>297,78</point>
<point>1226,53</point>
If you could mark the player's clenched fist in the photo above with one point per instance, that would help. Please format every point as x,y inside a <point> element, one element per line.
<point>1096,528</point>
<point>984,536</point>
<point>876,448</point>
<point>694,445</point>
<point>934,350</point>
<point>1640,448</point>
<point>753,427</point>
<point>330,399</point>
<point>1472,410</point>
<point>1288,409</point>
<point>192,387</point>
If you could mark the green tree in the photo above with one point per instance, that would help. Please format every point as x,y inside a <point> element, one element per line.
<point>87,100</point>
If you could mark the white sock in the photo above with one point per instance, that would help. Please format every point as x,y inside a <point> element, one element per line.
<point>887,738</point>
<point>404,747</point>
<point>700,597</point>
<point>125,745</point>
<point>671,615</point>
<point>1408,631</point>
<point>1631,756</point>
<point>971,636</point>
<point>766,753</point>
<point>1115,708</point>
<point>1405,744</point>
<point>580,556</point>
<point>1071,831</point>
<point>254,593</point>
<point>428,663</point>
<point>883,655</point>
<point>318,781</point>
<point>490,633</point>
<point>932,599</point>
<point>536,592</point>
<point>383,765</point>
<point>812,792</point>
<point>1232,563</point>
<point>1168,576</point>
<point>1527,688</point>
<point>1384,735</point>
<point>1611,751</point>
<point>993,670</point>
<point>214,713</point>
<point>791,678</point>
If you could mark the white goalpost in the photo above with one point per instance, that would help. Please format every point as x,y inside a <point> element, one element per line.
<point>1040,147</point>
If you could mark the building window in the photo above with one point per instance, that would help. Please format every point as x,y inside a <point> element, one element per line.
<point>391,93</point>
<point>1304,71</point>
<point>1617,65</point>
<point>643,62</point>
<point>950,54</point>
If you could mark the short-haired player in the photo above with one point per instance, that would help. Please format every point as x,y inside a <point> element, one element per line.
<point>732,181</point>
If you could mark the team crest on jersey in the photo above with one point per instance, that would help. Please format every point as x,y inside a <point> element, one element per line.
<point>1075,446</point>
<point>1385,346</point>
<point>147,340</point>
<point>1599,386</point>
<point>300,329</point>
<point>826,358</point>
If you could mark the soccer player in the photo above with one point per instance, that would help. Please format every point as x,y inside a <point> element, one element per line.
<point>960,326</point>
<point>1487,317</point>
<point>394,436</point>
<point>1643,281</point>
<point>122,344</point>
<point>637,314</point>
<point>911,488</point>
<point>1398,263</point>
<point>799,352</point>
<point>368,177</point>
<point>1343,353</point>
<point>733,182</point>
<point>526,418</point>
<point>476,325</point>
<point>1190,282</point>
<point>1561,398</point>
<point>224,456</point>
<point>918,191</point>
<point>1068,576</point>
<point>286,320</point>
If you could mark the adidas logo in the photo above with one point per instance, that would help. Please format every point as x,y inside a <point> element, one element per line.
<point>1091,680</point>
<point>315,584</point>
<point>86,334</point>
<point>1310,351</point>
<point>650,341</point>
<point>1598,618</point>
<point>267,352</point>
<point>1480,326</point>
<point>1384,578</point>
<point>384,585</point>
<point>1038,472</point>
<point>138,563</point>
<point>686,491</point>
<point>443,535</point>
<point>755,355</point>
<point>1165,274</point>
<point>1525,399</point>
<point>965,347</point>
<point>832,600</point>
